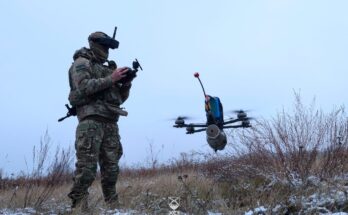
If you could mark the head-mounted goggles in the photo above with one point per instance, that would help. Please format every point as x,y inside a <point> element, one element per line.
<point>104,40</point>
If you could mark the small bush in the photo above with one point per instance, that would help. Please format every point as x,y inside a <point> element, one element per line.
<point>34,188</point>
<point>292,147</point>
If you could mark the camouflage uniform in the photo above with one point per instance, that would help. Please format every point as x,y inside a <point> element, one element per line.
<point>97,100</point>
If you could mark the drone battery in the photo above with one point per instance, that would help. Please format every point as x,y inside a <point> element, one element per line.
<point>215,108</point>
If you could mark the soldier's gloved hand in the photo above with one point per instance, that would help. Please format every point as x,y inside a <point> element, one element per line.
<point>119,73</point>
<point>127,84</point>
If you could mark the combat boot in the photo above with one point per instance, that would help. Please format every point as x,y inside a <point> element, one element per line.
<point>113,203</point>
<point>80,205</point>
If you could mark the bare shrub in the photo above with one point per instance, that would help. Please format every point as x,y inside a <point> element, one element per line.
<point>47,174</point>
<point>153,155</point>
<point>292,146</point>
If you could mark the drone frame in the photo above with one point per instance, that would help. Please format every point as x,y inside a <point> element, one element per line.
<point>190,128</point>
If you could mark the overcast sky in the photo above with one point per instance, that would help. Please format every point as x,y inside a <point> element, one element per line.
<point>253,54</point>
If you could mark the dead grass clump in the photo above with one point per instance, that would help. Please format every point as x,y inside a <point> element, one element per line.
<point>35,188</point>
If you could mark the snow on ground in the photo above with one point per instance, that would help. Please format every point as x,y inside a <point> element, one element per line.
<point>259,210</point>
<point>31,211</point>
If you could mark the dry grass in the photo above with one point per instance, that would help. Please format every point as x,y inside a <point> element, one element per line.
<point>146,194</point>
<point>41,185</point>
<point>197,190</point>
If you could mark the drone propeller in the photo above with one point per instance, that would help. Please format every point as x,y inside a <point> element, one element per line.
<point>241,114</point>
<point>180,121</point>
<point>182,118</point>
<point>239,111</point>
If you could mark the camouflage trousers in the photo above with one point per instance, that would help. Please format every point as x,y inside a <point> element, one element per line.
<point>96,142</point>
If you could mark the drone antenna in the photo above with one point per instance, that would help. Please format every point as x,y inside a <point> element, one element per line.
<point>197,76</point>
<point>114,35</point>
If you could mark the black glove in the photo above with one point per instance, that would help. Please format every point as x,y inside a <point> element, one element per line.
<point>130,75</point>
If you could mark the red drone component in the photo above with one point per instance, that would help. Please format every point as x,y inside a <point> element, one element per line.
<point>196,74</point>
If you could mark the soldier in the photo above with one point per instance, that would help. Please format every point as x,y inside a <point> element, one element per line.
<point>97,92</point>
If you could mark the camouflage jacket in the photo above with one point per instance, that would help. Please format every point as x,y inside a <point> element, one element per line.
<point>92,90</point>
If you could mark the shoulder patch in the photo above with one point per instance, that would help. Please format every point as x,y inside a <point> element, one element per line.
<point>82,64</point>
<point>80,67</point>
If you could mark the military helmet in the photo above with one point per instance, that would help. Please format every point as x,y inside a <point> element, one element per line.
<point>103,39</point>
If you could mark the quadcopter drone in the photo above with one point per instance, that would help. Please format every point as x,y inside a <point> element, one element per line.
<point>215,123</point>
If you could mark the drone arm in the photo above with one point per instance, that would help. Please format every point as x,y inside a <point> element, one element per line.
<point>190,125</point>
<point>233,126</point>
<point>232,121</point>
<point>237,126</point>
<point>197,125</point>
<point>196,131</point>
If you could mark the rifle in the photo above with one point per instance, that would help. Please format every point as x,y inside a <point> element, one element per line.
<point>71,112</point>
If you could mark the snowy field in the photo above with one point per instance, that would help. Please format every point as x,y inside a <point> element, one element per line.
<point>31,211</point>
